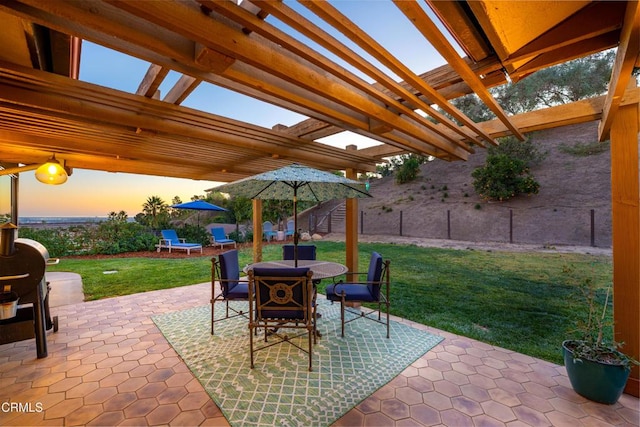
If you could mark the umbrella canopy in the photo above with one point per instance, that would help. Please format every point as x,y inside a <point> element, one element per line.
<point>295,182</point>
<point>199,205</point>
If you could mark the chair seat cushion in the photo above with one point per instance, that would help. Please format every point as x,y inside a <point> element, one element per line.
<point>186,245</point>
<point>224,241</point>
<point>353,292</point>
<point>238,291</point>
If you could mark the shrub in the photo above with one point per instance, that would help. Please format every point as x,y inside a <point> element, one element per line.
<point>506,172</point>
<point>110,237</point>
<point>194,234</point>
<point>409,169</point>
<point>521,150</point>
<point>113,237</point>
<point>585,149</point>
<point>504,177</point>
<point>58,241</point>
<point>384,169</point>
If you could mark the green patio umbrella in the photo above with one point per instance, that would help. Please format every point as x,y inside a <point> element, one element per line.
<point>295,182</point>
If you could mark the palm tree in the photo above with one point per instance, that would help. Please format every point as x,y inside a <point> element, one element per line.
<point>118,217</point>
<point>153,208</point>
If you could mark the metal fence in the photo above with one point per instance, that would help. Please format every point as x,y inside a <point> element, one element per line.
<point>556,226</point>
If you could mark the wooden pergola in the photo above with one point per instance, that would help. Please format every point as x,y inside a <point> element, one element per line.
<point>44,109</point>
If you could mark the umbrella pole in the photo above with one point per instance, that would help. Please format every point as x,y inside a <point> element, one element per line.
<point>295,226</point>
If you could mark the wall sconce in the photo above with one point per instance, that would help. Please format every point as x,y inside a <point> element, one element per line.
<point>52,172</point>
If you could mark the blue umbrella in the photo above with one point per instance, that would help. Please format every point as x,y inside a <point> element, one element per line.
<point>199,205</point>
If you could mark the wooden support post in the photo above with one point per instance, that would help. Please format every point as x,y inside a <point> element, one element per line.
<point>257,230</point>
<point>351,225</point>
<point>15,186</point>
<point>625,198</point>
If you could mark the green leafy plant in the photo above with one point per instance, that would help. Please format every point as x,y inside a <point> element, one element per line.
<point>506,172</point>
<point>526,151</point>
<point>504,177</point>
<point>409,169</point>
<point>193,233</point>
<point>58,241</point>
<point>580,149</point>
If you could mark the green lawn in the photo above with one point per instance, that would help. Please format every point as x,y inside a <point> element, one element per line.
<point>521,301</point>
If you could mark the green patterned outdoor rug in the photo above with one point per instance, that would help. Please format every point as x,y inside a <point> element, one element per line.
<point>280,391</point>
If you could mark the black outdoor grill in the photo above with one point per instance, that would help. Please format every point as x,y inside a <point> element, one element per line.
<point>22,274</point>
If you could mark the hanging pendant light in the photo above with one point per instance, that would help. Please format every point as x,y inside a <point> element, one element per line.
<point>51,172</point>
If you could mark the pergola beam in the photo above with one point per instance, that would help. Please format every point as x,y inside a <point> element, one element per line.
<point>65,106</point>
<point>626,57</point>
<point>152,80</point>
<point>343,106</point>
<point>332,16</point>
<point>423,23</point>
<point>183,87</point>
<point>278,62</point>
<point>395,91</point>
<point>586,110</point>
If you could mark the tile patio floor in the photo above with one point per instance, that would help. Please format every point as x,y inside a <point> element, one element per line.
<point>109,365</point>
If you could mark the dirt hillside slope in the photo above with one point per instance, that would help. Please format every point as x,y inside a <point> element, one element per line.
<point>570,187</point>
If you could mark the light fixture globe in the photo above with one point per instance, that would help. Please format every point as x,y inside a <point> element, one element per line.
<point>51,172</point>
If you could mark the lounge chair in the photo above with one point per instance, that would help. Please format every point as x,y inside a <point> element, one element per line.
<point>290,229</point>
<point>170,241</point>
<point>218,237</point>
<point>267,231</point>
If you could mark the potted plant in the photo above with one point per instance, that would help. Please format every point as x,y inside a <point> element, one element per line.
<point>597,369</point>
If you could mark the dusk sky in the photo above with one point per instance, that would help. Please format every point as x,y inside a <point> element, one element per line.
<point>91,193</point>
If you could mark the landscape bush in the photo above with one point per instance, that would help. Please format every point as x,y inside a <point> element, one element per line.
<point>408,170</point>
<point>58,241</point>
<point>580,149</point>
<point>506,172</point>
<point>525,150</point>
<point>239,237</point>
<point>193,234</point>
<point>504,177</point>
<point>114,237</point>
<point>109,237</point>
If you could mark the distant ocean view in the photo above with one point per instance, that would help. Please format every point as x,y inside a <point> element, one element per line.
<point>59,219</point>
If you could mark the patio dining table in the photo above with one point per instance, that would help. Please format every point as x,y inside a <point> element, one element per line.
<point>319,269</point>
